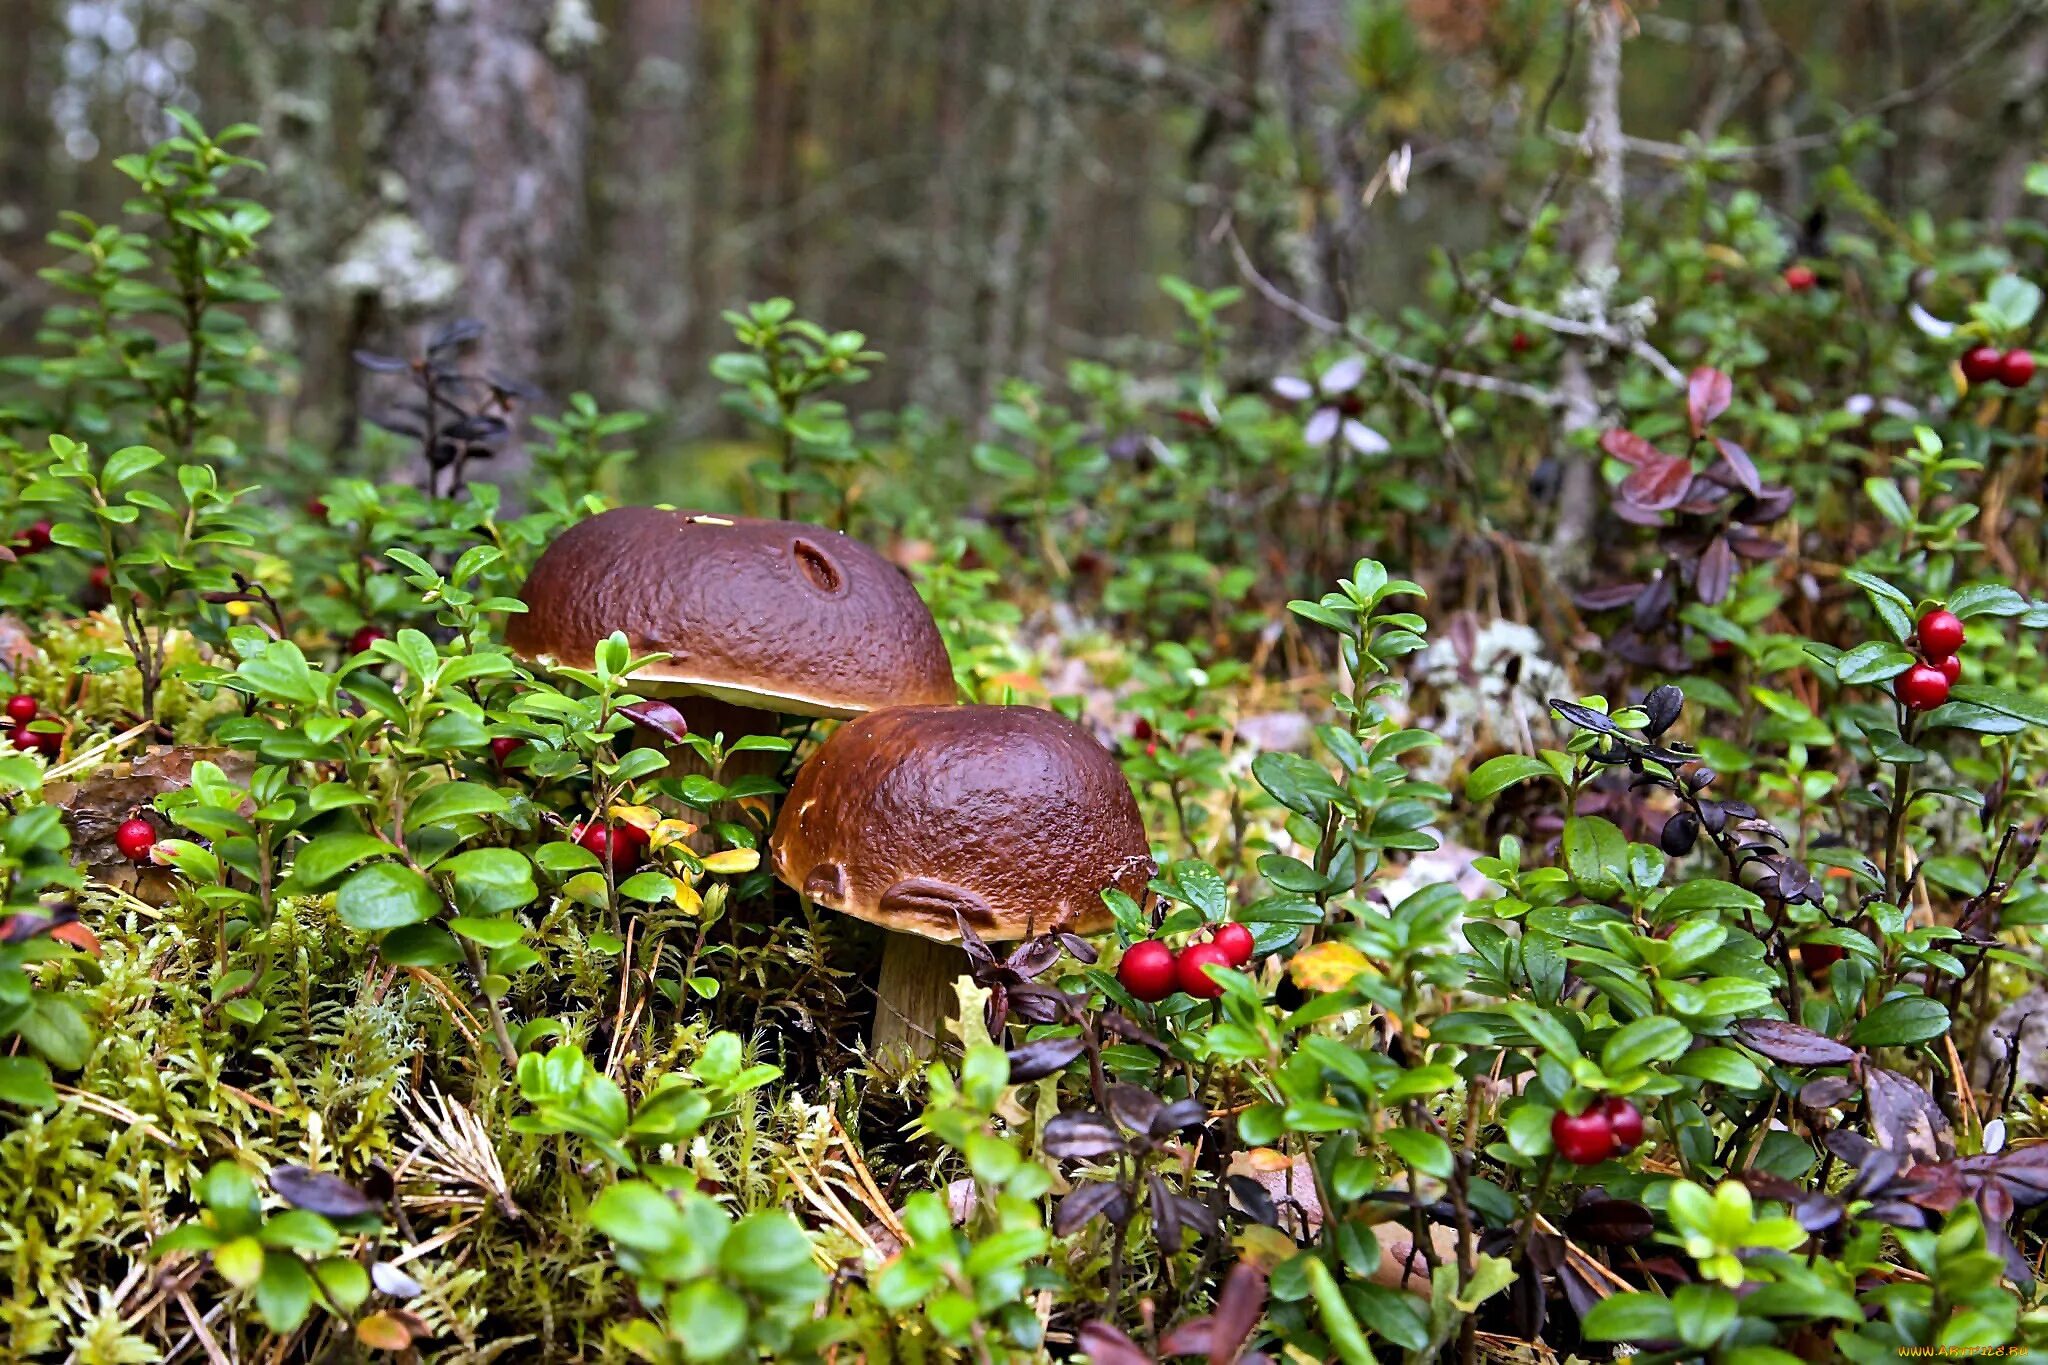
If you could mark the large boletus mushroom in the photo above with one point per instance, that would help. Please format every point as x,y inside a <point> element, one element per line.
<point>759,619</point>
<point>1010,818</point>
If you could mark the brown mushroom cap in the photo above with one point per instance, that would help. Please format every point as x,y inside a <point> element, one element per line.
<point>1010,815</point>
<point>776,615</point>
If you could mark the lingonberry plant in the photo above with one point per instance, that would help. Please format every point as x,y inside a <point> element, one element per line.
<point>1530,960</point>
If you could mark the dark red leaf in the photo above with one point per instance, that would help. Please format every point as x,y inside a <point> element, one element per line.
<point>1716,571</point>
<point>1905,1117</point>
<point>1107,1345</point>
<point>659,717</point>
<point>1081,1135</point>
<point>1791,1044</point>
<point>1658,484</point>
<point>1630,448</point>
<point>1707,395</point>
<point>1238,1309</point>
<point>1090,1198</point>
<point>1739,466</point>
<point>1042,1057</point>
<point>319,1192</point>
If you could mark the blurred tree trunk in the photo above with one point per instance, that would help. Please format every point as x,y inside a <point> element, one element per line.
<point>483,125</point>
<point>1596,228</point>
<point>774,174</point>
<point>1020,256</point>
<point>643,269</point>
<point>1312,48</point>
<point>956,205</point>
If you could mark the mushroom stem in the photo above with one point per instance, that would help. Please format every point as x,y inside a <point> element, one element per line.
<point>915,996</point>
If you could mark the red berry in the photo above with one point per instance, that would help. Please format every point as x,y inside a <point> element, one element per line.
<point>1141,728</point>
<point>1980,364</point>
<point>1951,668</point>
<point>1625,1121</point>
<point>2016,369</point>
<point>1800,278</point>
<point>1818,957</point>
<point>51,742</point>
<point>620,843</point>
<point>1519,342</point>
<point>1235,940</point>
<point>98,579</point>
<point>1583,1139</point>
<point>316,508</point>
<point>36,537</point>
<point>503,747</point>
<point>1923,687</point>
<point>1190,969</point>
<point>21,708</point>
<point>135,838</point>
<point>1941,633</point>
<point>1147,970</point>
<point>364,638</point>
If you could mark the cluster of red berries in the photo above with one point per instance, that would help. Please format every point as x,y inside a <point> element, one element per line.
<point>136,838</point>
<point>1607,1128</point>
<point>1986,365</point>
<point>21,711</point>
<point>1151,971</point>
<point>1925,685</point>
<point>621,844</point>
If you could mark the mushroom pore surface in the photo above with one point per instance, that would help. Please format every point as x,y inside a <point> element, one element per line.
<point>1013,817</point>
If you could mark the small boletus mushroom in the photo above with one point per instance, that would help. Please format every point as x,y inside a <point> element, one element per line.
<point>917,818</point>
<point>759,619</point>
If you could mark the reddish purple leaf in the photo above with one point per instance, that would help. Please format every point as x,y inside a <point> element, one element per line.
<point>1740,467</point>
<point>1107,1345</point>
<point>1791,1044</point>
<point>1659,483</point>
<point>1630,448</point>
<point>1716,571</point>
<point>1707,395</point>
<point>659,717</point>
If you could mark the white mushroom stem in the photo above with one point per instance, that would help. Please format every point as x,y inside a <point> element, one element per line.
<point>915,995</point>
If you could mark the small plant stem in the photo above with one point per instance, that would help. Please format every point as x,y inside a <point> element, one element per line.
<point>498,1029</point>
<point>1522,1238</point>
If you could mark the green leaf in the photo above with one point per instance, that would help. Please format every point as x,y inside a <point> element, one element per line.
<point>2032,710</point>
<point>284,1294</point>
<point>1426,1152</point>
<point>128,463</point>
<point>1499,773</point>
<point>709,1320</point>
<point>1640,1042</point>
<point>490,881</point>
<point>55,1028</point>
<point>764,1247</point>
<point>1902,1021</point>
<point>1702,1313</point>
<point>240,1261</point>
<point>2013,300</point>
<point>420,945</point>
<point>1629,1317</point>
<point>25,1081</point>
<point>1987,599</point>
<point>1596,855</point>
<point>450,801</point>
<point>492,933</point>
<point>330,855</point>
<point>385,896</point>
<point>1890,502</point>
<point>635,1214</point>
<point>1873,661</point>
<point>345,1281</point>
<point>299,1230</point>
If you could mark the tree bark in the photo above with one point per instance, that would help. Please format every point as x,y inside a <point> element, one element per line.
<point>484,119</point>
<point>644,270</point>
<point>1597,228</point>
